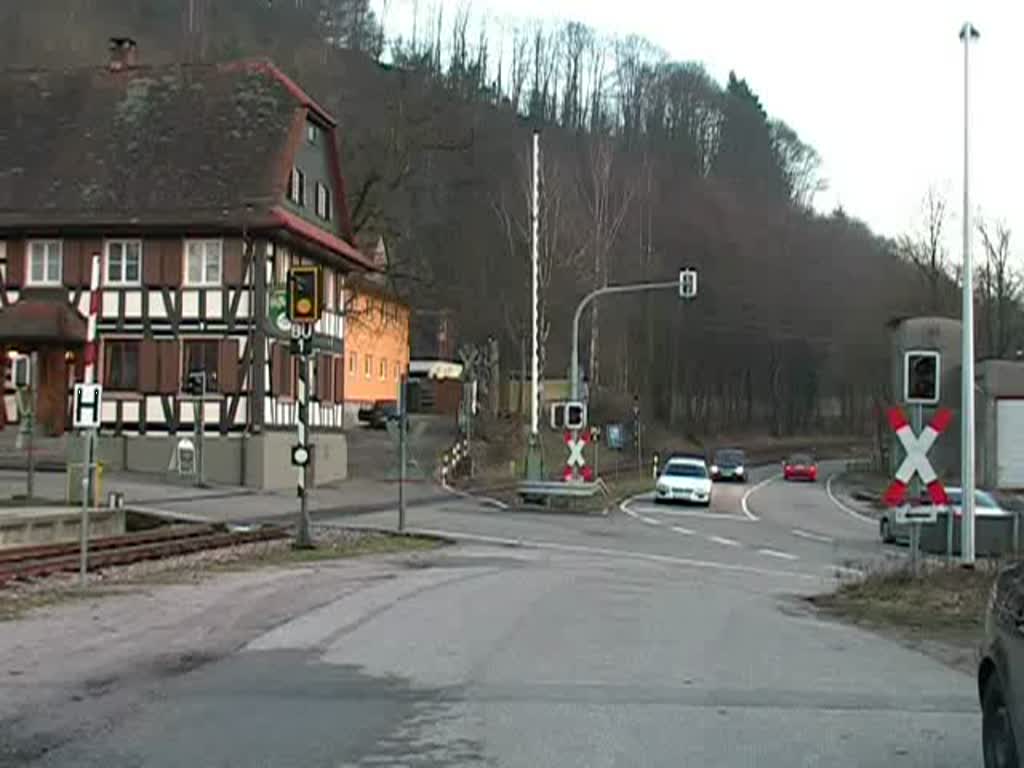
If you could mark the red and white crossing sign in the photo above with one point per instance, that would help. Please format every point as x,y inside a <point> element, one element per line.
<point>577,464</point>
<point>916,462</point>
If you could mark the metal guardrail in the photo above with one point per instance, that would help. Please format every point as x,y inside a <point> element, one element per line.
<point>561,489</point>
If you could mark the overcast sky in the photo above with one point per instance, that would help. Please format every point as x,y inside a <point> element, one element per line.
<point>876,87</point>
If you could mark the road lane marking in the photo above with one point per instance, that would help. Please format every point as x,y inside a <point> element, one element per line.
<point>724,541</point>
<point>848,510</point>
<point>648,520</point>
<point>684,531</point>
<point>778,554</point>
<point>813,536</point>
<point>623,553</point>
<point>626,506</point>
<point>744,502</point>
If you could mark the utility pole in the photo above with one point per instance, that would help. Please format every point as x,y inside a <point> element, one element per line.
<point>968,34</point>
<point>403,422</point>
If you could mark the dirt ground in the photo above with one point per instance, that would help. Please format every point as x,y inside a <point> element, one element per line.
<point>941,612</point>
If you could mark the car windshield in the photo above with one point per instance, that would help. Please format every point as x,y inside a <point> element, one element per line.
<point>729,456</point>
<point>982,500</point>
<point>800,458</point>
<point>685,469</point>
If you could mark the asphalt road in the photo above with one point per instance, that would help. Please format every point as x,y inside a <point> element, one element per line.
<point>652,637</point>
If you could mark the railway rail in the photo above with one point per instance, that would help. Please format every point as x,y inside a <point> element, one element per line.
<point>43,560</point>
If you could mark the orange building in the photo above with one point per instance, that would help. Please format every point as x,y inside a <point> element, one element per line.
<point>376,343</point>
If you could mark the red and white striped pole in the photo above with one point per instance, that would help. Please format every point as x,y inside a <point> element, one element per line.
<point>91,348</point>
<point>89,438</point>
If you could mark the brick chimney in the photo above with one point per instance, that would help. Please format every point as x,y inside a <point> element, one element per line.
<point>124,54</point>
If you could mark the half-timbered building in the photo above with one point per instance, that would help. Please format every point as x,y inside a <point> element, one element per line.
<point>199,186</point>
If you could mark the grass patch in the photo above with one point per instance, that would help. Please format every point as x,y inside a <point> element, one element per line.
<point>946,602</point>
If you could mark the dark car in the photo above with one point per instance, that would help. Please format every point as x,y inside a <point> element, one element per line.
<point>1000,686</point>
<point>379,414</point>
<point>729,464</point>
<point>800,466</point>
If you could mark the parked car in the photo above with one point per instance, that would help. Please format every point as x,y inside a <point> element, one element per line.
<point>984,504</point>
<point>1001,670</point>
<point>684,479</point>
<point>729,464</point>
<point>379,414</point>
<point>800,466</point>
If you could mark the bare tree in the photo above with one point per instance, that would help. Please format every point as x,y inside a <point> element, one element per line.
<point>927,252</point>
<point>606,202</point>
<point>1000,289</point>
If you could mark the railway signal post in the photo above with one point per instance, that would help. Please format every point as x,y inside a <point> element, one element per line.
<point>305,303</point>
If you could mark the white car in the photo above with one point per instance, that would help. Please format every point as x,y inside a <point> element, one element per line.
<point>684,479</point>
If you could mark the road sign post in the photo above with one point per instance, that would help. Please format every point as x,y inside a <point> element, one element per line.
<point>86,414</point>
<point>915,517</point>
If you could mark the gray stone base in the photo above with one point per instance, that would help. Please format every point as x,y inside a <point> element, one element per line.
<point>261,462</point>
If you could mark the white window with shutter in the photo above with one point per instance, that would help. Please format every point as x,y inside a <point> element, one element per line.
<point>45,262</point>
<point>297,187</point>
<point>323,201</point>
<point>204,262</point>
<point>124,262</point>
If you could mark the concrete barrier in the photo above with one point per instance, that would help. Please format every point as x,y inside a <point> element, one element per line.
<point>55,525</point>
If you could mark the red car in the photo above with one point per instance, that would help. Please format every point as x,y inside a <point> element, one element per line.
<point>800,466</point>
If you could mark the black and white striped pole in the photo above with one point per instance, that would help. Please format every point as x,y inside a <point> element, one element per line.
<point>305,303</point>
<point>303,335</point>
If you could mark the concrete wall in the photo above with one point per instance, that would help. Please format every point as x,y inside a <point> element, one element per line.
<point>995,379</point>
<point>257,461</point>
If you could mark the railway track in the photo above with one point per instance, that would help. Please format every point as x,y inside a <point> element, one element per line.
<point>46,559</point>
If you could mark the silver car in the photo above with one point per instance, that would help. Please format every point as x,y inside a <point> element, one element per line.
<point>984,505</point>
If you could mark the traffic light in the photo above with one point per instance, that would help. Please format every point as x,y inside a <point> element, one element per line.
<point>575,415</point>
<point>921,377</point>
<point>305,294</point>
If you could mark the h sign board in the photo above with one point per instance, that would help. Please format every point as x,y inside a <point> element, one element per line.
<point>87,406</point>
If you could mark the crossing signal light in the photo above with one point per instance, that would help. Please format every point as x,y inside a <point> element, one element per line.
<point>921,377</point>
<point>305,294</point>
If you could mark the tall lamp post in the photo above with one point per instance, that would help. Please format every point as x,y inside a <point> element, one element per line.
<point>534,454</point>
<point>968,34</point>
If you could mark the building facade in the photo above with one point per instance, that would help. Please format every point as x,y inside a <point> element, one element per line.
<point>198,187</point>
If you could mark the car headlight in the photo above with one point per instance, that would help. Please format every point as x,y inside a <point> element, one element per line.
<point>662,488</point>
<point>739,470</point>
<point>714,469</point>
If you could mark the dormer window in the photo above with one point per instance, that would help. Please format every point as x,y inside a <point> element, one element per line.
<point>297,187</point>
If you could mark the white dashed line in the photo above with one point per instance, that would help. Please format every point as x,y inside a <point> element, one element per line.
<point>779,555</point>
<point>744,505</point>
<point>848,510</point>
<point>649,520</point>
<point>684,531</point>
<point>724,541</point>
<point>813,536</point>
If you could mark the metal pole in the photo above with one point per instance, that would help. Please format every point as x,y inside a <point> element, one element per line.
<point>402,429</point>
<point>915,541</point>
<point>33,371</point>
<point>83,558</point>
<point>574,371</point>
<point>967,34</point>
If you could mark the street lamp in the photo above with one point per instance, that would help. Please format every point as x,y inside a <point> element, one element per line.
<point>968,33</point>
